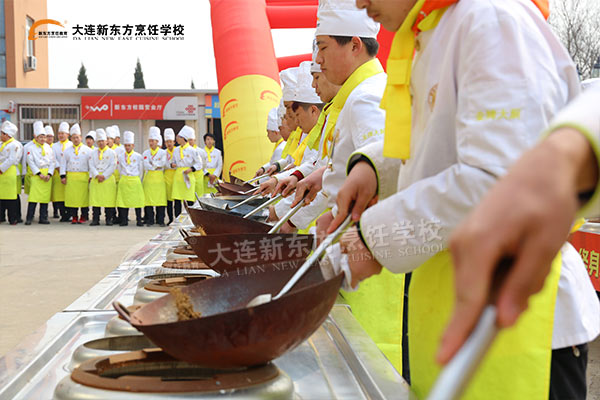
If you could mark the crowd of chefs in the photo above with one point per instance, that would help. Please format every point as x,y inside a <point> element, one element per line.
<point>470,86</point>
<point>102,172</point>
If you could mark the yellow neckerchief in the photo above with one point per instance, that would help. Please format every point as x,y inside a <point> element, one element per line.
<point>114,146</point>
<point>64,144</point>
<point>315,133</point>
<point>292,142</point>
<point>207,150</point>
<point>93,147</point>
<point>5,143</point>
<point>76,148</point>
<point>277,144</point>
<point>298,154</point>
<point>129,156</point>
<point>101,152</point>
<point>41,146</point>
<point>362,73</point>
<point>153,152</point>
<point>181,148</point>
<point>170,153</point>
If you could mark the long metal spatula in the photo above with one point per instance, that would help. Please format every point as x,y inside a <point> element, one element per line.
<point>241,203</point>
<point>287,216</point>
<point>455,376</point>
<point>316,255</point>
<point>263,206</point>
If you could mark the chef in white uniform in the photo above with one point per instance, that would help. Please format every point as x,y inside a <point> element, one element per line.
<point>130,191</point>
<point>170,168</point>
<point>58,188</point>
<point>187,161</point>
<point>103,186</point>
<point>212,160</point>
<point>9,176</point>
<point>90,139</point>
<point>155,188</point>
<point>74,174</point>
<point>40,160</point>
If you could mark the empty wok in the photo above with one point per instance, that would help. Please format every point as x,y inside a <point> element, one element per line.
<point>227,252</point>
<point>232,189</point>
<point>230,335</point>
<point>216,204</point>
<point>214,222</point>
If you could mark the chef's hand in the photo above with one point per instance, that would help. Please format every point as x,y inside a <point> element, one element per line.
<point>287,228</point>
<point>46,177</point>
<point>272,169</point>
<point>173,165</point>
<point>311,186</point>
<point>360,188</point>
<point>63,181</point>
<point>100,178</point>
<point>261,171</point>
<point>266,188</point>
<point>272,215</point>
<point>361,261</point>
<point>527,215</point>
<point>321,226</point>
<point>286,185</point>
<point>187,171</point>
<point>212,178</point>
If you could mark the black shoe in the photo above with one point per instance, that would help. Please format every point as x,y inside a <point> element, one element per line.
<point>65,219</point>
<point>161,225</point>
<point>148,224</point>
<point>95,223</point>
<point>28,222</point>
<point>19,221</point>
<point>55,216</point>
<point>170,222</point>
<point>124,223</point>
<point>44,222</point>
<point>139,223</point>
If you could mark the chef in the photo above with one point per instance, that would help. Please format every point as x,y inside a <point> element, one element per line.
<point>285,132</point>
<point>170,168</point>
<point>199,189</point>
<point>187,162</point>
<point>74,174</point>
<point>213,164</point>
<point>9,177</point>
<point>155,188</point>
<point>117,138</point>
<point>274,122</point>
<point>50,141</point>
<point>486,77</point>
<point>112,133</point>
<point>130,191</point>
<point>103,186</point>
<point>40,160</point>
<point>90,139</point>
<point>58,188</point>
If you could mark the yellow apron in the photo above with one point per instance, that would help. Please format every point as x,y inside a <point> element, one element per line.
<point>28,176</point>
<point>77,194</point>
<point>19,182</point>
<point>199,182</point>
<point>205,181</point>
<point>103,194</point>
<point>58,189</point>
<point>8,187</point>
<point>180,189</point>
<point>169,175</point>
<point>518,363</point>
<point>378,305</point>
<point>130,192</point>
<point>155,189</point>
<point>40,191</point>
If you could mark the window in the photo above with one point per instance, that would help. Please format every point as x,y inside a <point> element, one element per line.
<point>30,43</point>
<point>49,114</point>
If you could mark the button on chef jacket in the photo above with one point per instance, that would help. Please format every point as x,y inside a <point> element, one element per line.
<point>79,162</point>
<point>135,167</point>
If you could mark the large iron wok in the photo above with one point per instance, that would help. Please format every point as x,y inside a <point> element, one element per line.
<point>230,335</point>
<point>233,189</point>
<point>214,222</point>
<point>219,205</point>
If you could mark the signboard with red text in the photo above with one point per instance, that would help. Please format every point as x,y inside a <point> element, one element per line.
<point>139,107</point>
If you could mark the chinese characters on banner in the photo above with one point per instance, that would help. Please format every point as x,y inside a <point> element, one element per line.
<point>139,107</point>
<point>588,246</point>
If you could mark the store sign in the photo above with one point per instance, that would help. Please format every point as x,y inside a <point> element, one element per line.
<point>138,107</point>
<point>213,106</point>
<point>588,246</point>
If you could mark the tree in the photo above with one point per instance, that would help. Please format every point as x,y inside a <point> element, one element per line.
<point>193,86</point>
<point>82,78</point>
<point>138,76</point>
<point>577,24</point>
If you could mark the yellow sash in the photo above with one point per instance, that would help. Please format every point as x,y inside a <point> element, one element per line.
<point>76,149</point>
<point>101,152</point>
<point>129,156</point>
<point>208,151</point>
<point>292,143</point>
<point>315,134</point>
<point>277,144</point>
<point>64,144</point>
<point>181,148</point>
<point>299,152</point>
<point>154,151</point>
<point>41,146</point>
<point>5,143</point>
<point>518,363</point>
<point>362,73</point>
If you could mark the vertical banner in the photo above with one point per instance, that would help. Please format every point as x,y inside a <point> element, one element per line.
<point>248,82</point>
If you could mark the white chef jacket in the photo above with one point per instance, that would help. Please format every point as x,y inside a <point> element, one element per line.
<point>156,162</point>
<point>36,161</point>
<point>484,83</point>
<point>104,167</point>
<point>190,158</point>
<point>9,156</point>
<point>276,156</point>
<point>59,152</point>
<point>170,158</point>
<point>24,157</point>
<point>216,161</point>
<point>134,168</point>
<point>79,162</point>
<point>19,157</point>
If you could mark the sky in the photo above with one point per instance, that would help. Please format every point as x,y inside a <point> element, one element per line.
<point>165,64</point>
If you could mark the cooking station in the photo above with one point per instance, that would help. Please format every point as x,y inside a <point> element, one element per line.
<point>88,352</point>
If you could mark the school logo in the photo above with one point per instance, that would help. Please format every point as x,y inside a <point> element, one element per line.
<point>46,34</point>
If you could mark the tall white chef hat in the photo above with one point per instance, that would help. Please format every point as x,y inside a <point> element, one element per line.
<point>288,78</point>
<point>38,128</point>
<point>110,132</point>
<point>9,128</point>
<point>117,131</point>
<point>169,134</point>
<point>273,120</point>
<point>63,127</point>
<point>154,133</point>
<point>187,132</point>
<point>49,130</point>
<point>160,141</point>
<point>314,67</point>
<point>91,134</point>
<point>128,137</point>
<point>343,18</point>
<point>75,129</point>
<point>304,92</point>
<point>100,134</point>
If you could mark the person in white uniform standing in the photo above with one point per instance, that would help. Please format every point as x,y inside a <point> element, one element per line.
<point>130,192</point>
<point>103,186</point>
<point>40,160</point>
<point>58,188</point>
<point>170,168</point>
<point>9,177</point>
<point>155,188</point>
<point>212,160</point>
<point>74,174</point>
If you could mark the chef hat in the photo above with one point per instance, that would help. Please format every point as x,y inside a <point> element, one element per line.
<point>38,128</point>
<point>110,132</point>
<point>160,141</point>
<point>128,137</point>
<point>9,128</point>
<point>63,127</point>
<point>304,92</point>
<point>100,134</point>
<point>187,132</point>
<point>343,18</point>
<point>49,130</point>
<point>91,134</point>
<point>288,80</point>
<point>117,131</point>
<point>314,67</point>
<point>169,134</point>
<point>75,129</point>
<point>273,120</point>
<point>154,133</point>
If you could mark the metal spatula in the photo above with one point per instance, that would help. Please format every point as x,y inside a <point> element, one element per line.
<point>263,206</point>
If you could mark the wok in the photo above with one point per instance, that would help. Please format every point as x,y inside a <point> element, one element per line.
<point>227,252</point>
<point>216,204</point>
<point>229,335</point>
<point>233,189</point>
<point>215,223</point>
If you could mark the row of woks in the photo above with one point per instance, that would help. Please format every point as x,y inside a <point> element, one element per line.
<point>229,334</point>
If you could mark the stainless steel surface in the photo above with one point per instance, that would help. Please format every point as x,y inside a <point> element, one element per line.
<point>108,346</point>
<point>119,327</point>
<point>590,227</point>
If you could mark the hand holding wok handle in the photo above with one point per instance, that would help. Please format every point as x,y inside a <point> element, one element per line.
<point>286,217</point>
<point>263,206</point>
<point>122,311</point>
<point>455,376</point>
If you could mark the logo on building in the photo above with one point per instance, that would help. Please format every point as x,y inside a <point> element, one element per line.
<point>47,34</point>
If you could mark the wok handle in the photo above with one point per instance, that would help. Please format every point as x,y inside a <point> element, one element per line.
<point>256,178</point>
<point>197,197</point>
<point>248,200</point>
<point>122,311</point>
<point>263,206</point>
<point>287,216</point>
